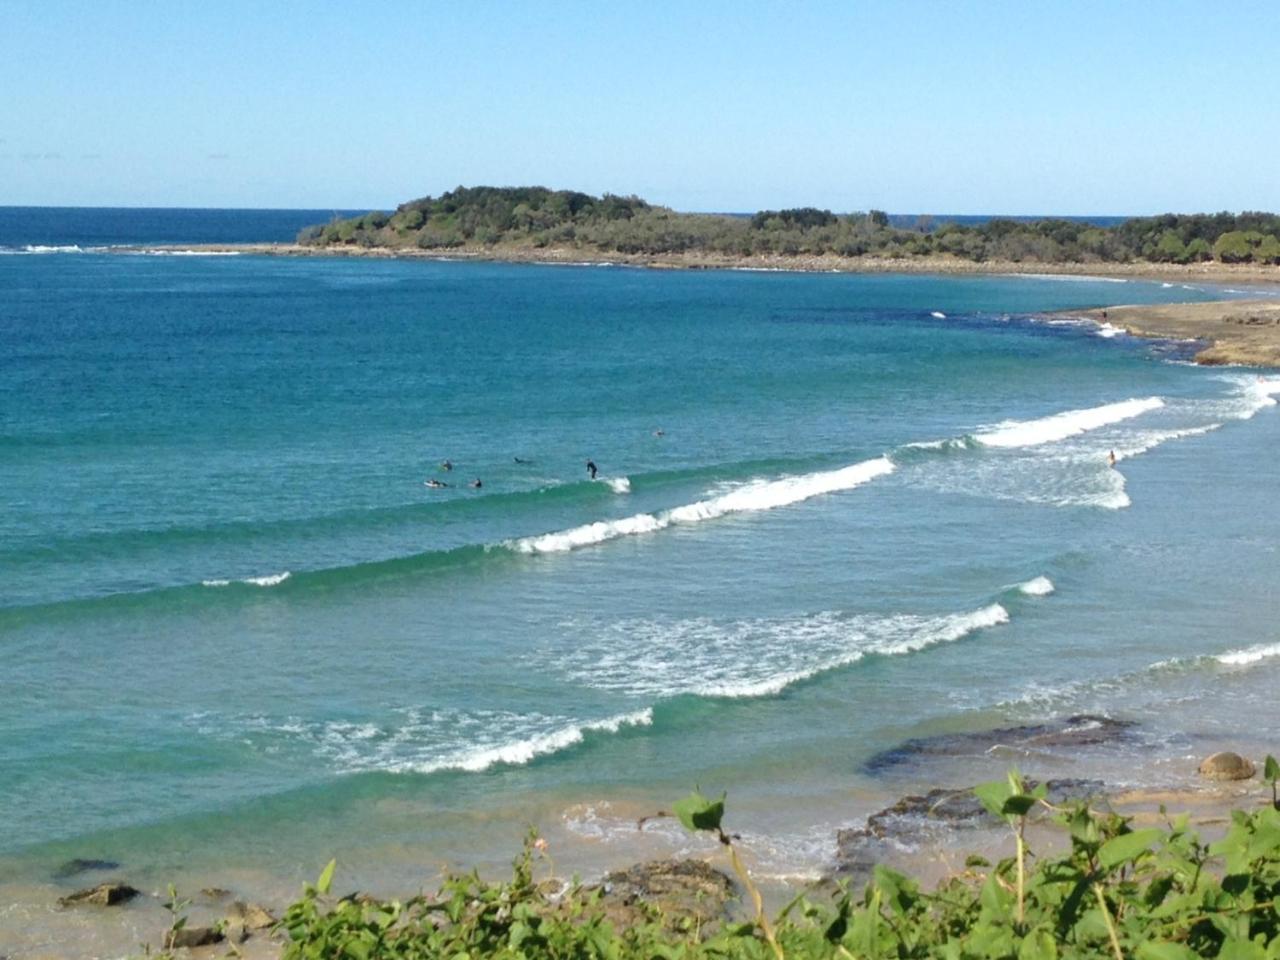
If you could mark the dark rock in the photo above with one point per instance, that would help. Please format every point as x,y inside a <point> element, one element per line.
<point>1071,733</point>
<point>103,895</point>
<point>192,937</point>
<point>916,819</point>
<point>680,890</point>
<point>81,865</point>
<point>215,893</point>
<point>1227,766</point>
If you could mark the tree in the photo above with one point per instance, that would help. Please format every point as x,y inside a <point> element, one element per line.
<point>1268,251</point>
<point>879,218</point>
<point>1197,251</point>
<point>1233,247</point>
<point>1170,249</point>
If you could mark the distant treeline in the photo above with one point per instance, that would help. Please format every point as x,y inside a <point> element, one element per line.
<point>535,217</point>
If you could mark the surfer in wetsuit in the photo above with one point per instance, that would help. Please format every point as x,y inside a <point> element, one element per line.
<point>1111,459</point>
<point>476,483</point>
<point>435,484</point>
<point>447,466</point>
<point>522,460</point>
<point>591,468</point>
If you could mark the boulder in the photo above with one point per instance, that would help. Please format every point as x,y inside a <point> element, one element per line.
<point>1227,766</point>
<point>251,915</point>
<point>191,937</point>
<point>103,895</point>
<point>678,890</point>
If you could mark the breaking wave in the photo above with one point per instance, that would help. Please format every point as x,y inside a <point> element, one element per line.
<point>1060,426</point>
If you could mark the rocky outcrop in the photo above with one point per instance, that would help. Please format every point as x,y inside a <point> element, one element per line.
<point>1227,766</point>
<point>1071,733</point>
<point>917,819</point>
<point>677,890</point>
<point>250,915</point>
<point>103,895</point>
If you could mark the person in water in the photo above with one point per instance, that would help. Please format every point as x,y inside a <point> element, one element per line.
<point>591,468</point>
<point>1111,458</point>
<point>447,466</point>
<point>434,483</point>
<point>476,483</point>
<point>522,460</point>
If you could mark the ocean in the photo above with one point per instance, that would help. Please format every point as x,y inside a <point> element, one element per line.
<point>834,513</point>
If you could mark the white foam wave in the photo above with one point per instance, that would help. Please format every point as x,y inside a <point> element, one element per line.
<point>270,580</point>
<point>619,484</point>
<point>1037,587</point>
<point>938,314</point>
<point>420,741</point>
<point>1243,658</point>
<point>1060,426</point>
<point>52,248</point>
<point>760,495</point>
<point>191,253</point>
<point>751,658</point>
<point>1109,330</point>
<point>1068,277</point>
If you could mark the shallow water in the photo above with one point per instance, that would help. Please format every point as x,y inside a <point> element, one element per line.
<point>241,635</point>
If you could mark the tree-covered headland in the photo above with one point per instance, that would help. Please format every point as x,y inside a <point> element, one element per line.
<point>534,218</point>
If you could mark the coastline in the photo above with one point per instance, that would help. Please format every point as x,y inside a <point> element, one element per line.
<point>1240,332</point>
<point>1210,272</point>
<point>927,833</point>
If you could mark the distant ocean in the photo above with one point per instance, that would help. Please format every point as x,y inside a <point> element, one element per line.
<point>834,513</point>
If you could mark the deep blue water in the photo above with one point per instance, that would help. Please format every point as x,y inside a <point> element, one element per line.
<point>236,623</point>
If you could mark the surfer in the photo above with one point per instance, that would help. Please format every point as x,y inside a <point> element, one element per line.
<point>435,484</point>
<point>476,483</point>
<point>1111,459</point>
<point>659,432</point>
<point>591,468</point>
<point>446,466</point>
<point>522,460</point>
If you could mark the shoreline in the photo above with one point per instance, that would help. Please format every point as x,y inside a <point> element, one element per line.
<point>1210,272</point>
<point>1236,332</point>
<point>929,835</point>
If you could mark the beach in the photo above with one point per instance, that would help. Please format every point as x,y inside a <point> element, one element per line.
<point>848,528</point>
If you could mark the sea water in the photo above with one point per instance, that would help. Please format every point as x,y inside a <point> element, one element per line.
<point>833,513</point>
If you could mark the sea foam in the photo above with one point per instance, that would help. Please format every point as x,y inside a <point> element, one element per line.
<point>270,580</point>
<point>660,659</point>
<point>760,495</point>
<point>1060,426</point>
<point>1037,587</point>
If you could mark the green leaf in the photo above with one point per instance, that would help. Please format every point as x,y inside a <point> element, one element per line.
<point>1165,951</point>
<point>1242,950</point>
<point>696,812</point>
<point>1018,805</point>
<point>993,795</point>
<point>326,877</point>
<point>1270,769</point>
<point>1126,847</point>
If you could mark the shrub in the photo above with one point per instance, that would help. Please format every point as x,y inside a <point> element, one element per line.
<point>1116,893</point>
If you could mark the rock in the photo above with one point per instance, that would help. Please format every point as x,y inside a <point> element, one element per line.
<point>215,893</point>
<point>679,889</point>
<point>1227,766</point>
<point>917,819</point>
<point>191,937</point>
<point>253,917</point>
<point>103,895</point>
<point>80,865</point>
<point>235,932</point>
<point>1067,734</point>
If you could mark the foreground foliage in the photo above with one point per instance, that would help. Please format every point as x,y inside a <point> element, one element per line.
<point>535,217</point>
<point>1119,892</point>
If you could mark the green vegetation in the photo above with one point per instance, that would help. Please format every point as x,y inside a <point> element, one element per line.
<point>533,218</point>
<point>1117,893</point>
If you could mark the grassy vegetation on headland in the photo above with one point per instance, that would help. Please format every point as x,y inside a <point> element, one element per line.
<point>1117,893</point>
<point>534,218</point>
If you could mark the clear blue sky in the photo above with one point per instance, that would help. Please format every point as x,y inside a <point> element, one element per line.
<point>1010,107</point>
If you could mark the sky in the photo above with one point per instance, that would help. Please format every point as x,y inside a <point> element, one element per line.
<point>1072,108</point>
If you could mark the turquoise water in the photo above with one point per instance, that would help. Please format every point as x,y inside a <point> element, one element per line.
<point>238,628</point>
